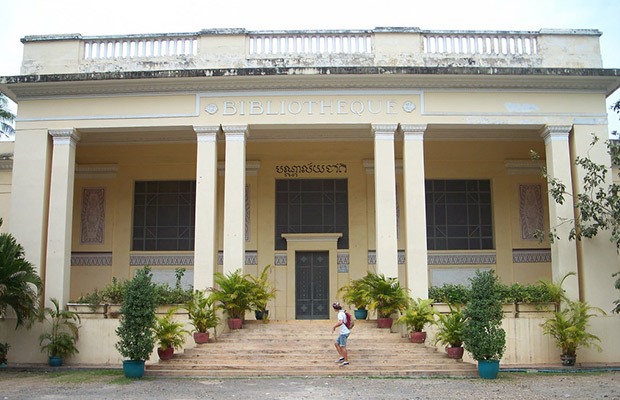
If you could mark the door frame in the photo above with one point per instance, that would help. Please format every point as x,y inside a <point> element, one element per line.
<point>310,242</point>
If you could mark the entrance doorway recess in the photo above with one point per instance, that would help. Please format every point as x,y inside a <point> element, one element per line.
<point>312,285</point>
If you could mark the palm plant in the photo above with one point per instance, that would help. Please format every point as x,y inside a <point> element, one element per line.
<point>234,294</point>
<point>20,285</point>
<point>386,295</point>
<point>450,327</point>
<point>168,332</point>
<point>419,313</point>
<point>356,293</point>
<point>60,340</point>
<point>201,313</point>
<point>6,117</point>
<point>263,291</point>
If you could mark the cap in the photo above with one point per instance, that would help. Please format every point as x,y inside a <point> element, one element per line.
<point>337,306</point>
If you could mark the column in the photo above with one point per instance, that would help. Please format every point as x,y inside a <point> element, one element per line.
<point>205,251</point>
<point>385,200</point>
<point>234,198</point>
<point>563,251</point>
<point>597,256</point>
<point>30,194</point>
<point>58,264</point>
<point>415,210</point>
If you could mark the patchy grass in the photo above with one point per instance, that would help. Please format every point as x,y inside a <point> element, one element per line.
<point>79,377</point>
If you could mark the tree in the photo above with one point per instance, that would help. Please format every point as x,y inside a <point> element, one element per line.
<point>20,284</point>
<point>598,206</point>
<point>6,118</point>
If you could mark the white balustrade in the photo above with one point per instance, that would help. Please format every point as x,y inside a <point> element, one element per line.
<point>140,47</point>
<point>483,43</point>
<point>318,43</point>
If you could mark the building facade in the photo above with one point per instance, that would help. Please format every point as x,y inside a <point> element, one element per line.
<point>326,154</point>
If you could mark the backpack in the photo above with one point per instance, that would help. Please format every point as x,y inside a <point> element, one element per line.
<point>349,323</point>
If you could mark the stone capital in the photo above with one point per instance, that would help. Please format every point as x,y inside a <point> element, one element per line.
<point>384,131</point>
<point>413,132</point>
<point>65,137</point>
<point>235,132</point>
<point>206,133</point>
<point>552,133</point>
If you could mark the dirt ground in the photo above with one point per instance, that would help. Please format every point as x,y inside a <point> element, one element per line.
<point>89,385</point>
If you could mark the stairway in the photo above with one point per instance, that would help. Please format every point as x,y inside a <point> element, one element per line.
<point>305,348</point>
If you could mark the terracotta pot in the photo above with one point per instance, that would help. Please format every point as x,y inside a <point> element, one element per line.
<point>235,323</point>
<point>385,322</point>
<point>418,337</point>
<point>165,354</point>
<point>201,337</point>
<point>455,352</point>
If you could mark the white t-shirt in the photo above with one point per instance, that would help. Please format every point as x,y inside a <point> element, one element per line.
<point>343,328</point>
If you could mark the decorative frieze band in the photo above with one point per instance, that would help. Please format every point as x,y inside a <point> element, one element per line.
<point>526,256</point>
<point>84,259</point>
<point>161,259</point>
<point>372,257</point>
<point>251,257</point>
<point>280,259</point>
<point>462,259</point>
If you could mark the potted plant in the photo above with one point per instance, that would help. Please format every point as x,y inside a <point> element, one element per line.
<point>419,313</point>
<point>4,349</point>
<point>262,293</point>
<point>386,296</point>
<point>483,335</point>
<point>568,328</point>
<point>356,293</point>
<point>135,332</point>
<point>201,315</point>
<point>234,296</point>
<point>60,340</point>
<point>169,334</point>
<point>450,331</point>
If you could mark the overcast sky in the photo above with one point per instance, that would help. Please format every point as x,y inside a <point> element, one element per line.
<point>39,17</point>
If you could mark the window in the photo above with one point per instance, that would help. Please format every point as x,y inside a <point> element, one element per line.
<point>458,215</point>
<point>164,215</point>
<point>312,206</point>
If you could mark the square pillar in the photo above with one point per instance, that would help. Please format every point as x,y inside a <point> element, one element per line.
<point>385,200</point>
<point>415,210</point>
<point>559,166</point>
<point>58,261</point>
<point>30,194</point>
<point>205,251</point>
<point>234,198</point>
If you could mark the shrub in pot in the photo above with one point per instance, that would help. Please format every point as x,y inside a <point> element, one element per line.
<point>234,296</point>
<point>386,296</point>
<point>169,334</point>
<point>201,315</point>
<point>483,334</point>
<point>418,314</point>
<point>568,328</point>
<point>450,331</point>
<point>135,332</point>
<point>356,293</point>
<point>59,342</point>
<point>263,291</point>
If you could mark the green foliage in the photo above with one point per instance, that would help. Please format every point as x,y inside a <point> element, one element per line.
<point>356,292</point>
<point>235,293</point>
<point>516,293</point>
<point>617,302</point>
<point>136,339</point>
<point>20,284</point>
<point>4,349</point>
<point>6,117</point>
<point>568,327</point>
<point>450,327</point>
<point>60,340</point>
<point>385,294</point>
<point>201,313</point>
<point>263,291</point>
<point>418,314</point>
<point>483,335</point>
<point>168,332</point>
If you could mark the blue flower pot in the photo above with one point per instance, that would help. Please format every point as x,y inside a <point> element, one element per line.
<point>488,369</point>
<point>133,369</point>
<point>361,314</point>
<point>55,361</point>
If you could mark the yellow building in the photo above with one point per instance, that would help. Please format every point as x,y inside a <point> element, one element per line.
<point>325,153</point>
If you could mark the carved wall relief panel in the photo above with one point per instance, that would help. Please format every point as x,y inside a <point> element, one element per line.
<point>93,216</point>
<point>531,212</point>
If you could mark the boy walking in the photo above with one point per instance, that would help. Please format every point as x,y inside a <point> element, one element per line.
<point>341,342</point>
